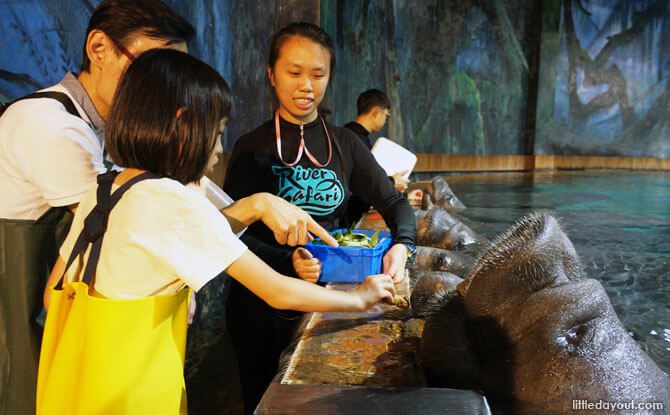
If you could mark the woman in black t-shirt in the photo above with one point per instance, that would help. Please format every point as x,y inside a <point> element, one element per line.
<point>316,166</point>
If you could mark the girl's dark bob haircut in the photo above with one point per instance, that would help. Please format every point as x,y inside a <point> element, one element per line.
<point>166,114</point>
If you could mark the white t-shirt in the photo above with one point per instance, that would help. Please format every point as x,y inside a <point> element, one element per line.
<point>161,236</point>
<point>48,157</point>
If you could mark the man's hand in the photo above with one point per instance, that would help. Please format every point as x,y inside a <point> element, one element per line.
<point>400,181</point>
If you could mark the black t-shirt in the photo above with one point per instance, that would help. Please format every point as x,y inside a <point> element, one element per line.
<point>361,132</point>
<point>321,191</point>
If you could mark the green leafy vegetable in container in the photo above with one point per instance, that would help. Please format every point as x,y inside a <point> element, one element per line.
<point>352,239</point>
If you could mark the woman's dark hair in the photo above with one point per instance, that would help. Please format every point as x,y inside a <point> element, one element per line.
<point>370,99</point>
<point>166,114</point>
<point>318,35</point>
<point>122,19</point>
<point>303,29</point>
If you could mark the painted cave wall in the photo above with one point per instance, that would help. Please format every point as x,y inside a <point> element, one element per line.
<point>456,72</point>
<point>465,77</point>
<point>42,39</point>
<point>604,78</point>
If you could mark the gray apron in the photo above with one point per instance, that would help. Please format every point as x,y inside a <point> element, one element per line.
<point>28,251</point>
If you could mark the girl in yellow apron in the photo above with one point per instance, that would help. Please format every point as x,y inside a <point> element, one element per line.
<point>116,327</point>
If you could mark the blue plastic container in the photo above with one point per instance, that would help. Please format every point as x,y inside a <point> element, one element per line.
<point>350,264</point>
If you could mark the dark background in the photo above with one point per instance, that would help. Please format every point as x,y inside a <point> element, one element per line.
<point>485,77</point>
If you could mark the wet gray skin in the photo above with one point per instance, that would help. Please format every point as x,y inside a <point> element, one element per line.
<point>429,289</point>
<point>442,195</point>
<point>543,335</point>
<point>440,229</point>
<point>437,259</point>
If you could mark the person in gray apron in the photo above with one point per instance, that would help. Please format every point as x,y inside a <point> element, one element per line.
<point>28,251</point>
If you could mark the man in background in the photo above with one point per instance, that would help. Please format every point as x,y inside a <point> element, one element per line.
<point>373,111</point>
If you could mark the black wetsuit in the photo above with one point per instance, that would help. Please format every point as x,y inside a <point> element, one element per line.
<point>259,332</point>
<point>361,132</point>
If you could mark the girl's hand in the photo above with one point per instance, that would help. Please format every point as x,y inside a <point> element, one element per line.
<point>394,262</point>
<point>375,289</point>
<point>307,267</point>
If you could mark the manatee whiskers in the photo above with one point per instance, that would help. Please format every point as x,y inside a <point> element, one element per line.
<point>512,242</point>
<point>533,254</point>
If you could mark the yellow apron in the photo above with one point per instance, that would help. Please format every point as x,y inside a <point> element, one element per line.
<point>102,356</point>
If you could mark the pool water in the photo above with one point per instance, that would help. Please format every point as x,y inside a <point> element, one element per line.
<point>618,221</point>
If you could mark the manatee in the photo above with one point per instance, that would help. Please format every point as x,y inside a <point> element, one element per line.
<point>542,336</point>
<point>430,288</point>
<point>437,259</point>
<point>440,229</point>
<point>445,351</point>
<point>442,195</point>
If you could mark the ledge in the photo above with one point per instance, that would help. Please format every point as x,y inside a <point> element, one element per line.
<point>469,163</point>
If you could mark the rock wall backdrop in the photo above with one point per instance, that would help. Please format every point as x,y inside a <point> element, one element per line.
<point>482,77</point>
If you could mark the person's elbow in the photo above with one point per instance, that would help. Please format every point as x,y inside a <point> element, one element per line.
<point>282,299</point>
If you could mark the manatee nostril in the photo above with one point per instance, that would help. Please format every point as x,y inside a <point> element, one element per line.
<point>441,262</point>
<point>577,334</point>
<point>573,336</point>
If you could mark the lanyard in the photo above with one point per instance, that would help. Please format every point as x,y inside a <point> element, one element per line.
<point>302,144</point>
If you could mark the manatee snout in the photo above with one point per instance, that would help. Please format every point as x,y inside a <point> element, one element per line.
<point>566,343</point>
<point>442,195</point>
<point>440,229</point>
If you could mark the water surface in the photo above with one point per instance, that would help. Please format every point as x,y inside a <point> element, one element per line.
<point>618,221</point>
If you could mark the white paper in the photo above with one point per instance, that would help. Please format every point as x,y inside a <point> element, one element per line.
<point>393,157</point>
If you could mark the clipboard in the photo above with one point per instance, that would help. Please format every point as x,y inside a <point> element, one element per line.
<point>393,157</point>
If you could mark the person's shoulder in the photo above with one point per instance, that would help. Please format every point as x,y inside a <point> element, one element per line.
<point>345,135</point>
<point>43,118</point>
<point>255,139</point>
<point>168,191</point>
<point>351,125</point>
<point>153,199</point>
